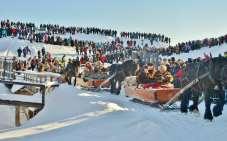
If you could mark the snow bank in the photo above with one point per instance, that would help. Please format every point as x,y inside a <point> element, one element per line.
<point>67,102</point>
<point>36,98</point>
<point>215,51</point>
<point>73,114</point>
<point>7,112</point>
<point>9,46</point>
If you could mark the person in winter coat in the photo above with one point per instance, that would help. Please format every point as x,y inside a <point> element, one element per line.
<point>163,77</point>
<point>43,51</point>
<point>33,64</point>
<point>39,54</point>
<point>141,75</point>
<point>103,59</point>
<point>19,52</point>
<point>69,72</point>
<point>151,72</point>
<point>24,52</point>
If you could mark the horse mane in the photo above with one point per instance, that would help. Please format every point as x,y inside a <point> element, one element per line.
<point>219,59</point>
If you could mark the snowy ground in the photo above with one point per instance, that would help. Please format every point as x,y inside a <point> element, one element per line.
<point>74,114</point>
<point>6,112</point>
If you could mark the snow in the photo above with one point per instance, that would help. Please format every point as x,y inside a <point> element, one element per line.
<point>9,46</point>
<point>7,117</point>
<point>215,51</point>
<point>16,88</point>
<point>6,112</point>
<point>44,74</point>
<point>71,113</point>
<point>74,114</point>
<point>36,98</point>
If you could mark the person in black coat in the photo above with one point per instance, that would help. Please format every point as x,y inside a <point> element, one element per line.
<point>19,52</point>
<point>24,52</point>
<point>43,51</point>
<point>39,54</point>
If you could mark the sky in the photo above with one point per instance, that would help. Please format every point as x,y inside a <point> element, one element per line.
<point>181,20</point>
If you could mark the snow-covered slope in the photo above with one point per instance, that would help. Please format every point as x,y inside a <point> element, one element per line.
<point>9,47</point>
<point>73,114</point>
<point>215,51</point>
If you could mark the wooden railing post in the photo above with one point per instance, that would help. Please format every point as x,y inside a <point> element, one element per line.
<point>17,116</point>
<point>43,92</point>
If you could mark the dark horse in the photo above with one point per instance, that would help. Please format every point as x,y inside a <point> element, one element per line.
<point>120,72</point>
<point>212,86</point>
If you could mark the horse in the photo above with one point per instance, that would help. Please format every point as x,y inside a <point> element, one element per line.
<point>119,73</point>
<point>212,86</point>
<point>189,74</point>
<point>72,70</point>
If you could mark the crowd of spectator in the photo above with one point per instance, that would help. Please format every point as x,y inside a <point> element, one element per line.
<point>194,45</point>
<point>149,36</point>
<point>56,29</point>
<point>51,34</point>
<point>42,62</point>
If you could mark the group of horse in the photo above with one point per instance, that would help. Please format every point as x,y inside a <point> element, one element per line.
<point>210,88</point>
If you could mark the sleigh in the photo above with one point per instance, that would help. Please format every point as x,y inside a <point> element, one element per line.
<point>158,96</point>
<point>91,84</point>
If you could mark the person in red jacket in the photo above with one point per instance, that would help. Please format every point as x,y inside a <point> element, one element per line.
<point>179,74</point>
<point>103,59</point>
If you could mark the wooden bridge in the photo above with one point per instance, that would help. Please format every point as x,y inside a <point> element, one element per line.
<point>43,81</point>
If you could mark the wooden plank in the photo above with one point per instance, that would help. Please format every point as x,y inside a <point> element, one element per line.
<point>17,116</point>
<point>20,103</point>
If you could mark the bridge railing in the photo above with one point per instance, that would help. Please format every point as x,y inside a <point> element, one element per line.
<point>6,68</point>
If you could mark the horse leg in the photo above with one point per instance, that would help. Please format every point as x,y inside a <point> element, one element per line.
<point>118,89</point>
<point>112,85</point>
<point>70,80</point>
<point>75,81</point>
<point>208,115</point>
<point>185,101</point>
<point>195,99</point>
<point>218,108</point>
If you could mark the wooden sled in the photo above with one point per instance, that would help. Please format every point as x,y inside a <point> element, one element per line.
<point>152,96</point>
<point>91,84</point>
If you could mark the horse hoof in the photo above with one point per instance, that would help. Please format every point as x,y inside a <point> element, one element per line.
<point>193,108</point>
<point>208,117</point>
<point>217,111</point>
<point>184,111</point>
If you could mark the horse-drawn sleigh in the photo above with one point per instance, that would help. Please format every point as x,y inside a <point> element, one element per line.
<point>162,96</point>
<point>202,77</point>
<point>150,95</point>
<point>93,80</point>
